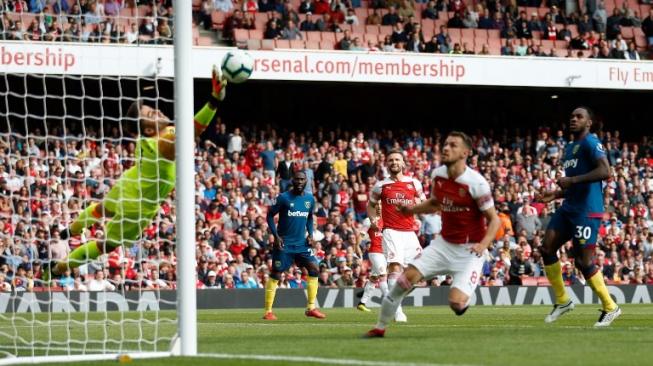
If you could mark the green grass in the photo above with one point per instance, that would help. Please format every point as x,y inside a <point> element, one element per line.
<point>510,335</point>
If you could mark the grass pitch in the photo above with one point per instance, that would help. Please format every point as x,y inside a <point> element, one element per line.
<point>502,335</point>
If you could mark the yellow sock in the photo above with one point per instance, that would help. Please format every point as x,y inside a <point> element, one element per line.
<point>311,289</point>
<point>270,291</point>
<point>86,218</point>
<point>598,285</point>
<point>554,274</point>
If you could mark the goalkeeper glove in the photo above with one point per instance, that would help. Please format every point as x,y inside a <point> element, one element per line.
<point>219,84</point>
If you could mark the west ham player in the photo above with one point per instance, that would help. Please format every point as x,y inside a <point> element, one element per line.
<point>378,261</point>
<point>400,243</point>
<point>464,198</point>
<point>579,217</point>
<point>292,244</point>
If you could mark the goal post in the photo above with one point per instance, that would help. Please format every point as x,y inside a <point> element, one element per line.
<point>186,293</point>
<point>64,143</point>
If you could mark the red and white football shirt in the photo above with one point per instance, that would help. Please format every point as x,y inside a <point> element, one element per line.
<point>462,201</point>
<point>393,193</point>
<point>376,238</point>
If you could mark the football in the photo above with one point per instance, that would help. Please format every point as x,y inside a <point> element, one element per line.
<point>237,66</point>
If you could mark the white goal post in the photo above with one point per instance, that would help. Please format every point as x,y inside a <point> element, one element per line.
<point>60,136</point>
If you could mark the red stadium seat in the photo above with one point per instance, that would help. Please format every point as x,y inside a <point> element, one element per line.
<point>282,43</point>
<point>267,44</point>
<point>640,42</point>
<point>326,45</point>
<point>328,36</point>
<point>371,37</point>
<point>372,29</point>
<point>297,44</point>
<point>627,32</point>
<point>468,40</point>
<point>443,15</point>
<point>493,33</point>
<point>467,33</point>
<point>638,32</point>
<point>385,29</point>
<point>480,33</point>
<point>480,41</point>
<point>313,45</point>
<point>537,35</point>
<point>529,281</point>
<point>217,19</point>
<point>256,34</point>
<point>454,32</point>
<point>205,41</point>
<point>313,36</point>
<point>361,14</point>
<point>254,44</point>
<point>573,28</point>
<point>495,50</point>
<point>360,29</point>
<point>241,36</point>
<point>547,44</point>
<point>543,281</point>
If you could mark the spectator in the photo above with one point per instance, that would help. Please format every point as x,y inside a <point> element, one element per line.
<point>519,268</point>
<point>375,18</point>
<point>631,53</point>
<point>391,18</point>
<point>346,279</point>
<point>224,6</point>
<point>346,41</point>
<point>351,17</point>
<point>291,32</point>
<point>99,283</point>
<point>613,24</point>
<point>430,12</point>
<point>306,6</point>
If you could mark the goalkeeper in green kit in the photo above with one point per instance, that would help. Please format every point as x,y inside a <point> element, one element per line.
<point>134,200</point>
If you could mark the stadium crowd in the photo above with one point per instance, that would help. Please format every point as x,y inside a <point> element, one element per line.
<point>44,183</point>
<point>94,21</point>
<point>523,28</point>
<point>564,29</point>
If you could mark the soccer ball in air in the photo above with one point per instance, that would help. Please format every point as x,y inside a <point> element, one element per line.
<point>237,66</point>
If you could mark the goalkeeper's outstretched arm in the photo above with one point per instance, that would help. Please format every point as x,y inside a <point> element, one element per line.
<point>202,118</point>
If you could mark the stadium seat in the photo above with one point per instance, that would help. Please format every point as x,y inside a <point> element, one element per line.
<point>372,29</point>
<point>428,25</point>
<point>454,33</point>
<point>385,29</point>
<point>640,42</point>
<point>143,11</point>
<point>529,281</point>
<point>360,29</point>
<point>480,33</point>
<point>260,22</point>
<point>267,44</point>
<point>313,36</point>
<point>282,43</point>
<point>345,27</point>
<point>326,45</point>
<point>467,33</point>
<point>543,281</point>
<point>297,44</point>
<point>547,44</point>
<point>638,32</point>
<point>313,45</point>
<point>443,15</point>
<point>256,34</point>
<point>644,10</point>
<point>328,36</point>
<point>217,20</point>
<point>241,36</point>
<point>480,41</point>
<point>573,28</point>
<point>537,35</point>
<point>468,40</point>
<point>253,44</point>
<point>361,14</point>
<point>371,37</point>
<point>358,35</point>
<point>206,41</point>
<point>495,50</point>
<point>493,33</point>
<point>126,13</point>
<point>627,32</point>
<point>541,12</point>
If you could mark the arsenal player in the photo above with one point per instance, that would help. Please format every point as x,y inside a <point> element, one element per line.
<point>379,264</point>
<point>464,198</point>
<point>400,243</point>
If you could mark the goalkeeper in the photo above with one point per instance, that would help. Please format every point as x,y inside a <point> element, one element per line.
<point>133,202</point>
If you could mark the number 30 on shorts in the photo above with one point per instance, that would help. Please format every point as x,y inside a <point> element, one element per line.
<point>583,232</point>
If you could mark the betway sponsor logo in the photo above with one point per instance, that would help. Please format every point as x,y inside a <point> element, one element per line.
<point>572,163</point>
<point>297,214</point>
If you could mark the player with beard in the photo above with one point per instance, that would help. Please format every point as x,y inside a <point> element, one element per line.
<point>464,198</point>
<point>579,217</point>
<point>400,243</point>
<point>293,243</point>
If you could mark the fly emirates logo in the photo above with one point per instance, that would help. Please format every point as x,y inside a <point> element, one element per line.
<point>297,214</point>
<point>448,206</point>
<point>399,200</point>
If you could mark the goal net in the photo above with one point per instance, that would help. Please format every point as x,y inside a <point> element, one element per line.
<point>65,142</point>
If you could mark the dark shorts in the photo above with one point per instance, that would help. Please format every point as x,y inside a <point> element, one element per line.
<point>580,228</point>
<point>282,260</point>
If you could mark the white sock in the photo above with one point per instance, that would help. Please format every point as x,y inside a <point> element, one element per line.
<point>383,285</point>
<point>367,291</point>
<point>392,280</point>
<point>391,303</point>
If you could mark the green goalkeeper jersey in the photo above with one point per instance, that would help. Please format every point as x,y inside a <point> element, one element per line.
<point>142,188</point>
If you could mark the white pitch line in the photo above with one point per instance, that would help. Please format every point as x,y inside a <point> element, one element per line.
<point>321,360</point>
